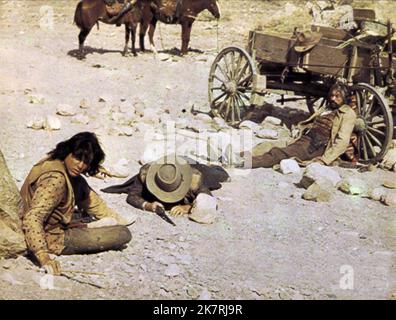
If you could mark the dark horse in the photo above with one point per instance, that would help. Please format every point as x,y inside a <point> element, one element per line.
<point>90,12</point>
<point>183,12</point>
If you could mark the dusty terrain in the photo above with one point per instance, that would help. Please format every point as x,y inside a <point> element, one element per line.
<point>267,242</point>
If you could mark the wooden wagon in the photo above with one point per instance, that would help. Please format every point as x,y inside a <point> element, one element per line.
<point>240,78</point>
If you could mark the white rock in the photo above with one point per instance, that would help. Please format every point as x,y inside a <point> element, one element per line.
<point>80,119</point>
<point>52,123</point>
<point>377,193</point>
<point>143,127</point>
<point>204,209</point>
<point>139,107</point>
<point>267,134</point>
<point>219,123</point>
<point>203,117</point>
<point>389,199</point>
<point>250,125</point>
<point>316,172</point>
<point>35,123</point>
<point>163,56</point>
<point>272,120</point>
<point>126,131</point>
<point>289,166</point>
<point>66,110</point>
<point>389,160</point>
<point>173,270</point>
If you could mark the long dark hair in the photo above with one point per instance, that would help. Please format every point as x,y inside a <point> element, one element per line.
<point>85,147</point>
<point>341,88</point>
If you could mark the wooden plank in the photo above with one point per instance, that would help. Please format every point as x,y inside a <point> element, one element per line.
<point>326,60</point>
<point>271,47</point>
<point>360,14</point>
<point>331,33</point>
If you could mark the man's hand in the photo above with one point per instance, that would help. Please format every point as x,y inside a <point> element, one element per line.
<point>152,206</point>
<point>180,210</point>
<point>51,266</point>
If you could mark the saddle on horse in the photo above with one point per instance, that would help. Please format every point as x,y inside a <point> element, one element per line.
<point>117,8</point>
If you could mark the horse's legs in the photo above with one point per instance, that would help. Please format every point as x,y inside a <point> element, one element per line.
<point>81,39</point>
<point>186,32</point>
<point>142,32</point>
<point>127,31</point>
<point>133,34</point>
<point>151,35</point>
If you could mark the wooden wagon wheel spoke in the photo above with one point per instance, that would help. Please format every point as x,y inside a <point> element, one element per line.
<point>218,78</point>
<point>372,123</point>
<point>219,97</point>
<point>236,68</point>
<point>364,147</point>
<point>369,107</point>
<point>371,137</point>
<point>370,145</point>
<point>223,72</point>
<point>381,133</point>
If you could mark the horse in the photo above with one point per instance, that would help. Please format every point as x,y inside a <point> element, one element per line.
<point>183,12</point>
<point>90,12</point>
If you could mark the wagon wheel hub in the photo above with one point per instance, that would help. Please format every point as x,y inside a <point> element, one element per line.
<point>231,87</point>
<point>360,125</point>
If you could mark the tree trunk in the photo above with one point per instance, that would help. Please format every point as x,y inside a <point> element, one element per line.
<point>12,240</point>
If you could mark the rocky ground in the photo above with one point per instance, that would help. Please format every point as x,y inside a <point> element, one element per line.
<point>266,242</point>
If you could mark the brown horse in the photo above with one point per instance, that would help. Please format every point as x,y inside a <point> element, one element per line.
<point>183,12</point>
<point>90,12</point>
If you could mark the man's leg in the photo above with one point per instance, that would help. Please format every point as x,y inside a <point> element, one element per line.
<point>79,241</point>
<point>298,149</point>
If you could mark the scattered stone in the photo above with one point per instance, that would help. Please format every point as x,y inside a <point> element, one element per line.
<point>389,199</point>
<point>173,270</point>
<point>219,123</point>
<point>36,99</point>
<point>204,209</point>
<point>192,292</point>
<point>65,110</point>
<point>126,131</point>
<point>120,168</point>
<point>289,166</point>
<point>267,134</point>
<point>35,123</point>
<point>163,56</point>
<point>389,160</point>
<point>319,191</point>
<point>354,186</point>
<point>250,125</point>
<point>283,185</point>
<point>52,123</point>
<point>205,295</point>
<point>139,108</point>
<point>80,119</point>
<point>8,277</point>
<point>390,183</point>
<point>204,118</point>
<point>272,120</point>
<point>315,172</point>
<point>185,259</point>
<point>84,104</point>
<point>376,194</point>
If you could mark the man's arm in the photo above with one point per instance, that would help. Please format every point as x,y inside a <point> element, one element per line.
<point>342,138</point>
<point>51,188</point>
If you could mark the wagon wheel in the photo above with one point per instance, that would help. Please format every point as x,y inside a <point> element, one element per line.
<point>230,84</point>
<point>315,103</point>
<point>374,125</point>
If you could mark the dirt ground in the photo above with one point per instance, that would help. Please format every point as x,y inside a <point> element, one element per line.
<point>267,242</point>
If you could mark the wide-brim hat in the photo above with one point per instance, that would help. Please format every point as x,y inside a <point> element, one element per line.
<point>307,40</point>
<point>169,178</point>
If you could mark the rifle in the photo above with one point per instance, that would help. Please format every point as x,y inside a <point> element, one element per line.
<point>161,213</point>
